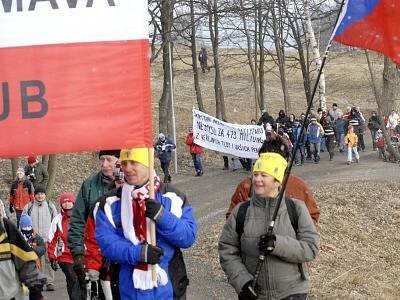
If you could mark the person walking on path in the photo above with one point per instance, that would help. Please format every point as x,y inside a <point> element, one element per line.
<point>195,152</point>
<point>203,59</point>
<point>36,172</point>
<point>164,147</point>
<point>351,141</point>
<point>35,241</point>
<point>21,192</point>
<point>374,125</point>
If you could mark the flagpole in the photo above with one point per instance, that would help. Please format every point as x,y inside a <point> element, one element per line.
<point>171,86</point>
<point>151,195</point>
<point>271,225</point>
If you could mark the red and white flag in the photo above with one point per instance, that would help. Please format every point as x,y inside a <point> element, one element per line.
<point>74,76</point>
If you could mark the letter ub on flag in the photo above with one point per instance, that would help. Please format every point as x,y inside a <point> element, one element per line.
<point>74,76</point>
<point>371,24</point>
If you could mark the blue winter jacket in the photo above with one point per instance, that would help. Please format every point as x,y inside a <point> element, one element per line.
<point>314,133</point>
<point>164,149</point>
<point>171,232</point>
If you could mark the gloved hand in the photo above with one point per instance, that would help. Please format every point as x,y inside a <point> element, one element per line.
<point>267,243</point>
<point>11,209</point>
<point>93,275</point>
<point>151,254</point>
<point>154,209</point>
<point>54,265</point>
<point>247,292</point>
<point>35,292</point>
<point>79,267</point>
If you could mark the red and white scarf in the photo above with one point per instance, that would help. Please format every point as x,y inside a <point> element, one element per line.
<point>136,228</point>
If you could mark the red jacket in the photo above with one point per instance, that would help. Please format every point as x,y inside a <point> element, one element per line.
<point>57,245</point>
<point>93,257</point>
<point>21,193</point>
<point>194,149</point>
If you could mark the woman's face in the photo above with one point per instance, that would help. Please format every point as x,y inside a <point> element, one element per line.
<point>265,185</point>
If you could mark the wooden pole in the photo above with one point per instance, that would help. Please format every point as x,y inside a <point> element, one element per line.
<point>151,195</point>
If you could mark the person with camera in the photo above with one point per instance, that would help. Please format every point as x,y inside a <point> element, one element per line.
<point>91,190</point>
<point>284,274</point>
<point>36,172</point>
<point>122,222</point>
<point>164,147</point>
<point>21,193</point>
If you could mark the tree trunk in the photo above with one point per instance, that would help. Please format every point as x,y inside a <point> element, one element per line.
<point>164,108</point>
<point>45,160</point>
<point>390,86</point>
<point>214,34</point>
<point>194,59</point>
<point>317,56</point>
<point>14,167</point>
<point>52,169</point>
<point>261,72</point>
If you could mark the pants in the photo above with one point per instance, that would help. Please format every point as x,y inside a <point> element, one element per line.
<point>46,269</point>
<point>330,145</point>
<point>341,141</point>
<point>18,214</point>
<point>235,164</point>
<point>373,136</point>
<point>316,150</point>
<point>226,161</point>
<point>322,146</point>
<point>246,163</point>
<point>165,168</point>
<point>361,141</point>
<point>197,163</point>
<point>308,148</point>
<point>299,158</point>
<point>350,153</point>
<point>382,154</point>
<point>73,288</point>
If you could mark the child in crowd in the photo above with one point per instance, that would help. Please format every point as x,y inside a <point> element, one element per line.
<point>380,144</point>
<point>58,250</point>
<point>34,240</point>
<point>351,141</point>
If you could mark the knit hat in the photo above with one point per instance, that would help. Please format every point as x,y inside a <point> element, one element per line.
<point>25,221</point>
<point>39,189</point>
<point>272,164</point>
<point>32,159</point>
<point>67,197</point>
<point>114,152</point>
<point>161,136</point>
<point>313,119</point>
<point>20,170</point>
<point>140,155</point>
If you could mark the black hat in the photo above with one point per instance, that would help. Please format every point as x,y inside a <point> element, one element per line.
<point>114,152</point>
<point>39,189</point>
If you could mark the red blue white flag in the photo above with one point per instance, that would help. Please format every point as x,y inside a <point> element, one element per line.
<point>74,76</point>
<point>371,24</point>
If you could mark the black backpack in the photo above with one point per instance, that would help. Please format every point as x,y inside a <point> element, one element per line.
<point>293,216</point>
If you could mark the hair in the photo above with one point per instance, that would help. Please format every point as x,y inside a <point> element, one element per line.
<point>277,144</point>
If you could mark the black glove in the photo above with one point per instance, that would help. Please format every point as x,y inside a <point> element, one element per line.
<point>151,254</point>
<point>247,292</point>
<point>154,209</point>
<point>54,265</point>
<point>35,292</point>
<point>11,209</point>
<point>267,243</point>
<point>79,267</point>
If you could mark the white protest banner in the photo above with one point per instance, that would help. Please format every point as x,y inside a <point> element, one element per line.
<point>239,140</point>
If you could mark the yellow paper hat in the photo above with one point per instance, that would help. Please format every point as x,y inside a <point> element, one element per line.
<point>272,164</point>
<point>140,155</point>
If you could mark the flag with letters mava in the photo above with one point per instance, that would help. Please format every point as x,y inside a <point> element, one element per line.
<point>74,76</point>
<point>371,24</point>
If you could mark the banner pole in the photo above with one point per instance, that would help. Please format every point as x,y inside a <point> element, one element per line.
<point>171,86</point>
<point>151,195</point>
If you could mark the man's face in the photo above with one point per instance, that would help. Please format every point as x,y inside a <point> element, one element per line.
<point>135,173</point>
<point>107,164</point>
<point>334,107</point>
<point>40,197</point>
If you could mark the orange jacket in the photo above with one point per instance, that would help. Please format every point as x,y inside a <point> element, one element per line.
<point>351,139</point>
<point>296,188</point>
<point>21,193</point>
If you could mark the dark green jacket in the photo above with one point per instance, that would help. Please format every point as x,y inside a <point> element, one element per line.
<point>92,189</point>
<point>41,174</point>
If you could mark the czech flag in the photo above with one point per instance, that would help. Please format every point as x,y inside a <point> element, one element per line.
<point>74,76</point>
<point>371,24</point>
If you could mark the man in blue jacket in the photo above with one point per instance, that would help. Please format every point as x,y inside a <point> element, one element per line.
<point>122,230</point>
<point>314,133</point>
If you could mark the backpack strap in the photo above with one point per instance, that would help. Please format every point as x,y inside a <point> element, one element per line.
<point>292,212</point>
<point>30,206</point>
<point>240,217</point>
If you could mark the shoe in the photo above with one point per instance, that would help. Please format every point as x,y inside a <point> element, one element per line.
<point>349,163</point>
<point>298,164</point>
<point>50,287</point>
<point>357,160</point>
<point>233,170</point>
<point>331,158</point>
<point>225,168</point>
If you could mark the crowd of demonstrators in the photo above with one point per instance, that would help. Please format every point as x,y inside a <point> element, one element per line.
<point>195,151</point>
<point>164,147</point>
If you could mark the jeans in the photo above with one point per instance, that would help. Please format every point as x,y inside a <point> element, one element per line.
<point>341,141</point>
<point>299,157</point>
<point>322,144</point>
<point>316,150</point>
<point>373,137</point>
<point>197,162</point>
<point>73,287</point>
<point>350,153</point>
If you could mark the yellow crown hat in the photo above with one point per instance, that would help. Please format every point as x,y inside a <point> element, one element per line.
<point>272,164</point>
<point>140,155</point>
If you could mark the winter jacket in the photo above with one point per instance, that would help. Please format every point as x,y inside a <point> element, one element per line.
<point>335,113</point>
<point>351,139</point>
<point>41,175</point>
<point>164,149</point>
<point>57,245</point>
<point>279,276</point>
<point>393,120</point>
<point>17,263</point>
<point>340,126</point>
<point>194,149</point>
<point>296,188</point>
<point>172,232</point>
<point>374,123</point>
<point>91,190</point>
<point>37,243</point>
<point>314,133</point>
<point>21,193</point>
<point>266,118</point>
<point>296,135</point>
<point>42,213</point>
<point>380,142</point>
